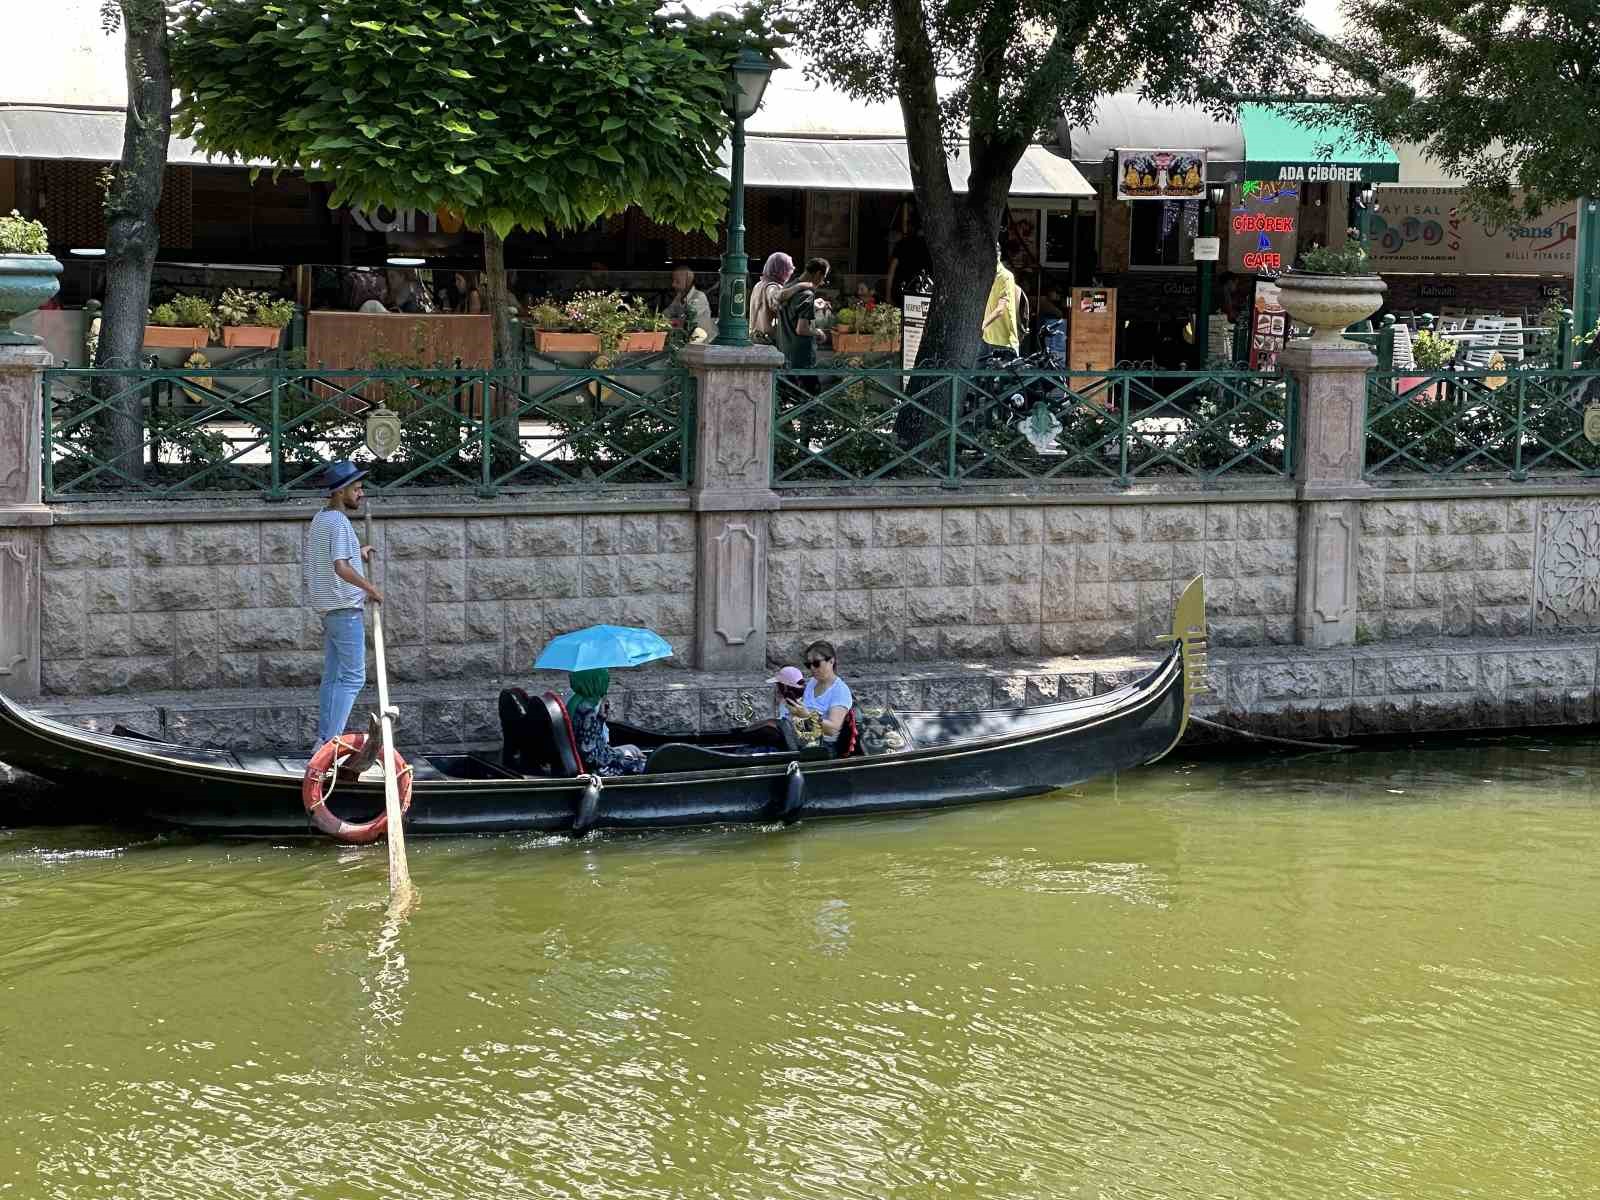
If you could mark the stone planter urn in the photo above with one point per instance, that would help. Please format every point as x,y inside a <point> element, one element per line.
<point>26,282</point>
<point>1330,303</point>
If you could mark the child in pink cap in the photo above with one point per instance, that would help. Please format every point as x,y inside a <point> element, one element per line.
<point>788,684</point>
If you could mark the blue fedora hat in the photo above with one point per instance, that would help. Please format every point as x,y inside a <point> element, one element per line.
<point>341,474</point>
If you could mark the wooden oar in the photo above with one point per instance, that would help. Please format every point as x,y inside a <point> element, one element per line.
<point>400,890</point>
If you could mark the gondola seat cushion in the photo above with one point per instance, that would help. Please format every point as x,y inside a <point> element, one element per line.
<point>537,733</point>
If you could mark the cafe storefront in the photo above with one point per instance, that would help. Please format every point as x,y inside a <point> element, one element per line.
<point>1267,187</point>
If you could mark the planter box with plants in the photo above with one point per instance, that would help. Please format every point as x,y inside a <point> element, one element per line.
<point>867,330</point>
<point>603,324</point>
<point>28,274</point>
<point>182,323</point>
<point>253,319</point>
<point>1330,290</point>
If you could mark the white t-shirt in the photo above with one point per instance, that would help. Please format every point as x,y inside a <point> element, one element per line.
<point>836,695</point>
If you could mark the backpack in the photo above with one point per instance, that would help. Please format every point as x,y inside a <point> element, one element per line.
<point>763,308</point>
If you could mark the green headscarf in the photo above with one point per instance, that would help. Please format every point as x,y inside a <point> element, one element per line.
<point>590,687</point>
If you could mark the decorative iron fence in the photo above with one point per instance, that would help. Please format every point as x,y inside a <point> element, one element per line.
<point>887,426</point>
<point>170,433</point>
<point>1480,423</point>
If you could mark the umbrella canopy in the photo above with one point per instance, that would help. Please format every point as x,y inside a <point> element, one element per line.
<point>602,646</point>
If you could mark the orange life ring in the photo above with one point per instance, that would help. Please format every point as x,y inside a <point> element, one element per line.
<point>322,764</point>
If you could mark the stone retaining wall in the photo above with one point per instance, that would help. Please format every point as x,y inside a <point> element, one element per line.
<point>137,607</point>
<point>1050,577</point>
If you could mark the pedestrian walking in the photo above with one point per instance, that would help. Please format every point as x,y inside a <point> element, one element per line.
<point>337,589</point>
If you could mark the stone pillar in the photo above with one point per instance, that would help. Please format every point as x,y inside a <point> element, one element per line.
<point>733,497</point>
<point>22,515</point>
<point>1328,458</point>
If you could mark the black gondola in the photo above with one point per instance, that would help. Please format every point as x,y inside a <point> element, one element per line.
<point>944,758</point>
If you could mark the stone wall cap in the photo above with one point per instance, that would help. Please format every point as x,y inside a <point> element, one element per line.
<point>1308,357</point>
<point>709,354</point>
<point>735,500</point>
<point>17,516</point>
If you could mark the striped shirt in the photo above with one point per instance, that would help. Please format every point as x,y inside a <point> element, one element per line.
<point>332,538</point>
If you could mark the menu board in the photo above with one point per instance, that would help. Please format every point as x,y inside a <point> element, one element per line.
<point>1269,327</point>
<point>913,320</point>
<point>1092,343</point>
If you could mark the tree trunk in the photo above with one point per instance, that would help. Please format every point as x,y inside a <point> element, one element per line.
<point>132,235</point>
<point>497,298</point>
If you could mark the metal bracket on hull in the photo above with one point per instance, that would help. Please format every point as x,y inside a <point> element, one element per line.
<point>1189,631</point>
<point>588,805</point>
<point>794,794</point>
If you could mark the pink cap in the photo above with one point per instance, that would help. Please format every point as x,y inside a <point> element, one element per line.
<point>789,675</point>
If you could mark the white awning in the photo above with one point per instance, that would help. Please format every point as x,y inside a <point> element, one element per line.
<point>84,135</point>
<point>884,165</point>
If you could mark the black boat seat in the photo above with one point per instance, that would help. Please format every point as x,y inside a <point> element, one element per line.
<point>537,737</point>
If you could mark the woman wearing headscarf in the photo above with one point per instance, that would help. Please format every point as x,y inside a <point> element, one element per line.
<point>764,296</point>
<point>587,708</point>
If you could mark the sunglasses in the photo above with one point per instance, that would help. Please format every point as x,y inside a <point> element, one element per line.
<point>814,663</point>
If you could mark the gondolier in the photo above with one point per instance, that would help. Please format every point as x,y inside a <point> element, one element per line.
<point>337,589</point>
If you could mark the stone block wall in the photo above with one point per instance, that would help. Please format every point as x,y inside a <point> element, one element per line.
<point>1475,567</point>
<point>921,584</point>
<point>218,604</point>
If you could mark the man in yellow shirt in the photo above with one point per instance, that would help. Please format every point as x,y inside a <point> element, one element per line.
<point>1004,315</point>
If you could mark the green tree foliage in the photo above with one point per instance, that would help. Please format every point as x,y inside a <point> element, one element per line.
<point>511,112</point>
<point>1504,95</point>
<point>999,73</point>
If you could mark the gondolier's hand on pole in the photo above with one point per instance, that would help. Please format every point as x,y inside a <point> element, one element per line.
<point>401,893</point>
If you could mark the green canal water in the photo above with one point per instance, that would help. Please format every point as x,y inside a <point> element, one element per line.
<point>1367,975</point>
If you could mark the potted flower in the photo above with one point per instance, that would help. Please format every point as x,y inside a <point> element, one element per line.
<point>1330,290</point>
<point>182,323</point>
<point>875,327</point>
<point>253,318</point>
<point>27,274</point>
<point>599,323</point>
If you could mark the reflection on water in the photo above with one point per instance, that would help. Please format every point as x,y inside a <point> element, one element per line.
<point>1350,976</point>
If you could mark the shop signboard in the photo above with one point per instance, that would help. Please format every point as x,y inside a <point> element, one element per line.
<point>1263,228</point>
<point>1429,231</point>
<point>913,320</point>
<point>1161,174</point>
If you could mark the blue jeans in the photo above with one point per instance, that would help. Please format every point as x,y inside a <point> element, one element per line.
<point>344,670</point>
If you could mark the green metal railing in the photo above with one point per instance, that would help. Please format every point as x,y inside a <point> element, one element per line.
<point>839,428</point>
<point>174,433</point>
<point>1513,423</point>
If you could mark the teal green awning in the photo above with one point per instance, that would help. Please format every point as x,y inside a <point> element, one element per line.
<point>1278,148</point>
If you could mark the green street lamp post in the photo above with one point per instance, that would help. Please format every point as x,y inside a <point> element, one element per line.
<point>750,74</point>
<point>1208,273</point>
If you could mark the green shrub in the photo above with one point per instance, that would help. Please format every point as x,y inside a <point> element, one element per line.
<point>1348,259</point>
<point>164,314</point>
<point>19,235</point>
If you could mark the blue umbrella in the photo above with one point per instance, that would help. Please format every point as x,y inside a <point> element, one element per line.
<point>602,646</point>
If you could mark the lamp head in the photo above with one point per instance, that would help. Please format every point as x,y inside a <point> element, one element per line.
<point>751,71</point>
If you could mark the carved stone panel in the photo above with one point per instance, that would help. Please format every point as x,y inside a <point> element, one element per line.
<point>20,418</point>
<point>1567,568</point>
<point>19,611</point>
<point>733,591</point>
<point>1325,612</point>
<point>735,437</point>
<point>732,624</point>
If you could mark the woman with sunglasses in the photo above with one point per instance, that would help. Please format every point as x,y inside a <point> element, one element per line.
<point>826,696</point>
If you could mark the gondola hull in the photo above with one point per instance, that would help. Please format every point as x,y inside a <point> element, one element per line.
<point>953,759</point>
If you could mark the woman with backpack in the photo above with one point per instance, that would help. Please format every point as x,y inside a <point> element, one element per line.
<point>764,296</point>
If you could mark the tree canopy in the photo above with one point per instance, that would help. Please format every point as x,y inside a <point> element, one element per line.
<point>999,73</point>
<point>1505,96</point>
<point>537,113</point>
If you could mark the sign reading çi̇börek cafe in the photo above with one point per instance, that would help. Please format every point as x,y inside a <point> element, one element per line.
<point>1263,228</point>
